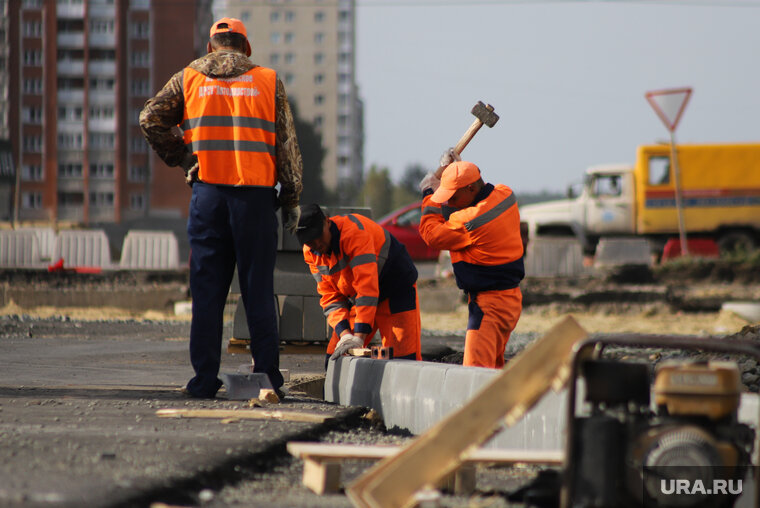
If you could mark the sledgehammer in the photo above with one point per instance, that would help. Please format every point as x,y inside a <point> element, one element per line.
<point>484,115</point>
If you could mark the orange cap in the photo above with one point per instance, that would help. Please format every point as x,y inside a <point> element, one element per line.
<point>456,175</point>
<point>226,25</point>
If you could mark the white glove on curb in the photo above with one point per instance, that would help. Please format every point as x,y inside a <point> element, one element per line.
<point>430,182</point>
<point>345,343</point>
<point>290,217</point>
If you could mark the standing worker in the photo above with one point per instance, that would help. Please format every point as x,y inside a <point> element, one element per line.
<point>366,280</point>
<point>483,235</point>
<point>239,142</point>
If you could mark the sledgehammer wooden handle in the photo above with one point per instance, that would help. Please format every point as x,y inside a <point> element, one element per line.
<point>484,115</point>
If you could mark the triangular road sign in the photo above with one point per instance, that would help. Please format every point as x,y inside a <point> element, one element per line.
<point>669,104</point>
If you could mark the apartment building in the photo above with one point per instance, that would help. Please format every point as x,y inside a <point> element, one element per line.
<point>311,44</point>
<point>78,73</point>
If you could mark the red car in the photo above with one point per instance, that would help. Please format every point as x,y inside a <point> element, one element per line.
<point>404,224</point>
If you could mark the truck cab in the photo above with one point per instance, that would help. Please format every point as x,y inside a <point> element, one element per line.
<point>604,207</point>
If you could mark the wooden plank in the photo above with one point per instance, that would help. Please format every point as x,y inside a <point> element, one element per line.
<point>321,477</point>
<point>359,351</point>
<point>393,482</point>
<point>245,414</point>
<point>325,451</point>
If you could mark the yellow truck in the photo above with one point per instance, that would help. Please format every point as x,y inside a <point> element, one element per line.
<point>720,190</point>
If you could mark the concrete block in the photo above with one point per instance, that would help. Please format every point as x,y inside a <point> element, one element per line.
<point>19,249</point>
<point>623,251</point>
<point>149,250</point>
<point>83,248</point>
<point>314,322</point>
<point>431,397</point>
<point>46,238</point>
<point>553,256</point>
<point>367,376</point>
<point>399,395</point>
<point>291,318</point>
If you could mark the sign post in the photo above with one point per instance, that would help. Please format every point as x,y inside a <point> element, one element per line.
<point>669,105</point>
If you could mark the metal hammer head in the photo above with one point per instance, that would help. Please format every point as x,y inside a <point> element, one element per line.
<point>484,113</point>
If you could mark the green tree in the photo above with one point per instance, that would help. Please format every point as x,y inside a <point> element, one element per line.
<point>377,192</point>
<point>313,155</point>
<point>407,191</point>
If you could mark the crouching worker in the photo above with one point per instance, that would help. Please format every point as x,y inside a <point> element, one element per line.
<point>366,280</point>
<point>483,235</point>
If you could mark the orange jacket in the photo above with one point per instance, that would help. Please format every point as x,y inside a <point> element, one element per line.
<point>364,266</point>
<point>484,239</point>
<point>229,124</point>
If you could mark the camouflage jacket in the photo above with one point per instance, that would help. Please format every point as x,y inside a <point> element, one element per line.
<point>165,111</point>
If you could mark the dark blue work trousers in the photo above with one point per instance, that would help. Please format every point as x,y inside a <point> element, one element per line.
<point>229,224</point>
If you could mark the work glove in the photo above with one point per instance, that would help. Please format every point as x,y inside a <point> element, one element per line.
<point>190,166</point>
<point>449,156</point>
<point>290,218</point>
<point>345,343</point>
<point>430,182</point>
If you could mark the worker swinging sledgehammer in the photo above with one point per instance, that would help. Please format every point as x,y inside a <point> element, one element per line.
<point>483,236</point>
<point>366,280</point>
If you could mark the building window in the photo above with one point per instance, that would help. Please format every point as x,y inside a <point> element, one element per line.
<point>344,78</point>
<point>319,58</point>
<point>319,16</point>
<point>136,174</point>
<point>319,38</point>
<point>101,26</point>
<point>289,78</point>
<point>32,29</point>
<point>290,16</point>
<point>70,170</point>
<point>245,16</point>
<point>31,200</point>
<point>136,202</point>
<point>289,58</point>
<point>319,79</point>
<point>139,145</point>
<point>32,114</point>
<point>140,87</point>
<point>70,113</point>
<point>33,57</point>
<point>343,99</point>
<point>140,29</point>
<point>319,99</point>
<point>101,199</point>
<point>274,59</point>
<point>318,121</point>
<point>100,112</point>
<point>101,170</point>
<point>32,144</point>
<point>102,83</point>
<point>140,59</point>
<point>33,86</point>
<point>31,173</point>
<point>70,199</point>
<point>69,140</point>
<point>107,55</point>
<point>274,16</point>
<point>274,37</point>
<point>102,140</point>
<point>31,4</point>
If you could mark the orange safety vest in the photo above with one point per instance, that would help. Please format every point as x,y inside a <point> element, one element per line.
<point>229,124</point>
<point>349,275</point>
<point>484,240</point>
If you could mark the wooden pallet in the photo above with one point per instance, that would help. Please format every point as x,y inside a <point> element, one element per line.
<point>322,463</point>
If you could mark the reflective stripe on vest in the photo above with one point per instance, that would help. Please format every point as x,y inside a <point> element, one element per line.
<point>229,124</point>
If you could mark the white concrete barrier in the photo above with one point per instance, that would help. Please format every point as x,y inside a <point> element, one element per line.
<point>554,256</point>
<point>82,248</point>
<point>150,250</point>
<point>19,249</point>
<point>46,238</point>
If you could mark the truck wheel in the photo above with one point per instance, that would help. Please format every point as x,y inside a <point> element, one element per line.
<point>736,241</point>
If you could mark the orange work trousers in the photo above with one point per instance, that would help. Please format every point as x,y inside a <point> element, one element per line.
<point>400,330</point>
<point>493,316</point>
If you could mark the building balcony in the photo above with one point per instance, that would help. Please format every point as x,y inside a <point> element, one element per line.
<point>102,68</point>
<point>71,67</point>
<point>102,96</point>
<point>103,124</point>
<point>101,11</point>
<point>71,39</point>
<point>102,40</point>
<point>71,96</point>
<point>70,11</point>
<point>71,213</point>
